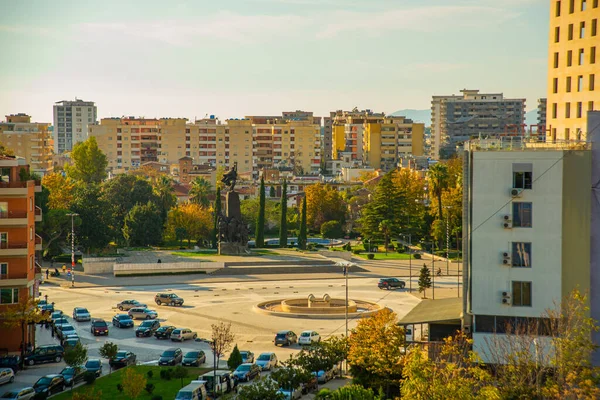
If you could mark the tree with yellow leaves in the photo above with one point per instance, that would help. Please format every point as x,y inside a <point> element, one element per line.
<point>21,315</point>
<point>323,203</point>
<point>133,383</point>
<point>61,191</point>
<point>190,221</point>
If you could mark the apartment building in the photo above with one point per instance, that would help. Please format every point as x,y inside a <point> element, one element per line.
<point>30,140</point>
<point>347,133</point>
<point>327,139</point>
<point>391,139</point>
<point>457,118</point>
<point>19,272</point>
<point>527,227</point>
<point>71,121</point>
<point>573,67</point>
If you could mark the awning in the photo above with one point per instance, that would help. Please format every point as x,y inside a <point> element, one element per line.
<point>431,311</point>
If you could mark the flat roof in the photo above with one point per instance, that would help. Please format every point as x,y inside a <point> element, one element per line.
<point>429,311</point>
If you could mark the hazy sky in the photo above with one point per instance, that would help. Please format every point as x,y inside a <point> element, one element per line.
<point>241,57</point>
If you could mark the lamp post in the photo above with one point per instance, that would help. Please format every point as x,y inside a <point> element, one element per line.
<point>72,215</point>
<point>409,261</point>
<point>346,269</point>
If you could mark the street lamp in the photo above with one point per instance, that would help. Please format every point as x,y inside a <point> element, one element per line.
<point>214,383</point>
<point>409,261</point>
<point>346,269</point>
<point>72,215</point>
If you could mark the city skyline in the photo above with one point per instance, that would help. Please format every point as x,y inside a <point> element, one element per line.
<point>264,56</point>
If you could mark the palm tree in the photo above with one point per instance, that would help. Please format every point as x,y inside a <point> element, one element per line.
<point>163,189</point>
<point>438,178</point>
<point>199,190</point>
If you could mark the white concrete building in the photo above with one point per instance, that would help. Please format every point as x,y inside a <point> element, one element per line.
<point>71,120</point>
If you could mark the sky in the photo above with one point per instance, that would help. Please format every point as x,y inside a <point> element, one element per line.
<point>232,58</point>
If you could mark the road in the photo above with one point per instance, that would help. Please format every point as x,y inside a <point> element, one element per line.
<point>206,304</point>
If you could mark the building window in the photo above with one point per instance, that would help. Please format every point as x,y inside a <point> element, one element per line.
<point>568,85</point>
<point>590,106</point>
<point>554,110</point>
<point>594,27</point>
<point>555,60</point>
<point>4,271</point>
<point>557,34</point>
<point>581,55</point>
<point>521,294</point>
<point>555,85</point>
<point>567,133</point>
<point>522,214</point>
<point>569,58</point>
<point>521,254</point>
<point>583,5</point>
<point>567,110</point>
<point>593,55</point>
<point>522,176</point>
<point>9,296</point>
<point>557,12</point>
<point>581,30</point>
<point>592,82</point>
<point>571,6</point>
<point>570,32</point>
<point>580,83</point>
<point>595,3</point>
<point>579,109</point>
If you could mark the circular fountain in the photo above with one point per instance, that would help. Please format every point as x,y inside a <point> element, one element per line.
<point>317,308</point>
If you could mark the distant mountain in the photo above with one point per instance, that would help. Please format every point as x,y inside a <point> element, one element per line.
<point>423,116</point>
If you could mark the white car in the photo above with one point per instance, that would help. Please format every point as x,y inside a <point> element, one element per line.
<point>308,338</point>
<point>181,334</point>
<point>6,376</point>
<point>266,361</point>
<point>81,314</point>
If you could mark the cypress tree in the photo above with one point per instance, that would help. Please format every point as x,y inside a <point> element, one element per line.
<point>260,220</point>
<point>215,231</point>
<point>283,222</point>
<point>302,234</point>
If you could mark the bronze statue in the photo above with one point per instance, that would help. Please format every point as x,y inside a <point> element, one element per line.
<point>230,177</point>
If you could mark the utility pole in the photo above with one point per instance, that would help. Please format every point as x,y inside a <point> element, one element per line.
<point>433,271</point>
<point>447,244</point>
<point>72,215</point>
<point>410,262</point>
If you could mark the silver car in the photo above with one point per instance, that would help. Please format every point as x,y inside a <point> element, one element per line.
<point>26,393</point>
<point>142,313</point>
<point>181,334</point>
<point>81,314</point>
<point>6,376</point>
<point>129,304</point>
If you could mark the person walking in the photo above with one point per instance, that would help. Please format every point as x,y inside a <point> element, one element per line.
<point>47,272</point>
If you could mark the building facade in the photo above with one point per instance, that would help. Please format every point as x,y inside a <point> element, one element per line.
<point>19,272</point>
<point>455,119</point>
<point>30,140</point>
<point>71,121</point>
<point>573,67</point>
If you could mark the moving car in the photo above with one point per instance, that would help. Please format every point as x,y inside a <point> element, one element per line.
<point>147,328</point>
<point>194,358</point>
<point>49,385</point>
<point>122,321</point>
<point>94,365</point>
<point>12,362</point>
<point>26,393</point>
<point>65,330</point>
<point>182,334</point>
<point>246,372</point>
<point>164,332</point>
<point>247,356</point>
<point>7,375</point>
<point>99,327</point>
<point>142,313</point>
<point>123,359</point>
<point>285,338</point>
<point>391,283</point>
<point>291,394</point>
<point>171,356</point>
<point>129,304</point>
<point>168,298</point>
<point>309,337</point>
<point>73,375</point>
<point>81,314</point>
<point>267,361</point>
<point>43,354</point>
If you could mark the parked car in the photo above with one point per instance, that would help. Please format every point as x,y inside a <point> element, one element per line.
<point>81,314</point>
<point>122,321</point>
<point>246,372</point>
<point>73,375</point>
<point>48,307</point>
<point>142,313</point>
<point>99,327</point>
<point>65,330</point>
<point>196,390</point>
<point>126,305</point>
<point>12,362</point>
<point>267,361</point>
<point>391,283</point>
<point>43,354</point>
<point>56,323</point>
<point>310,385</point>
<point>247,356</point>
<point>49,385</point>
<point>54,315</point>
<point>223,382</point>
<point>147,328</point>
<point>164,332</point>
<point>7,375</point>
<point>70,341</point>
<point>290,394</point>
<point>309,337</point>
<point>168,298</point>
<point>171,356</point>
<point>285,338</point>
<point>194,358</point>
<point>326,375</point>
<point>182,334</point>
<point>123,359</point>
<point>94,365</point>
<point>227,380</point>
<point>26,393</point>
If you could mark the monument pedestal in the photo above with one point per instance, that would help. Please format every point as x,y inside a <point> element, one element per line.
<point>233,235</point>
<point>232,249</point>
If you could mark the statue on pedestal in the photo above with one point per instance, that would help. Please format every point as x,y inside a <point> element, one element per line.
<point>233,233</point>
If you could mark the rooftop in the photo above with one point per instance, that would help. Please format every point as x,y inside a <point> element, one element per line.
<point>520,143</point>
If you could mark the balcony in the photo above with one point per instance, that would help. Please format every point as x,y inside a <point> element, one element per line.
<point>13,279</point>
<point>13,218</point>
<point>13,249</point>
<point>38,271</point>
<point>38,243</point>
<point>38,214</point>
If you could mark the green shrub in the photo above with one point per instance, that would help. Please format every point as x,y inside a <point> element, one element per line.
<point>357,251</point>
<point>149,388</point>
<point>89,377</point>
<point>150,374</point>
<point>165,374</point>
<point>417,256</point>
<point>157,398</point>
<point>370,256</point>
<point>120,388</point>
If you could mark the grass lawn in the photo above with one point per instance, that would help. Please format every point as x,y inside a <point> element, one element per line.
<point>213,252</point>
<point>108,384</point>
<point>391,255</point>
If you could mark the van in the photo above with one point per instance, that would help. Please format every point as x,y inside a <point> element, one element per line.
<point>196,390</point>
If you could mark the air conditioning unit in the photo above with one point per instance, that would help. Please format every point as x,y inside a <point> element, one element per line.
<point>506,259</point>
<point>515,192</point>
<point>506,298</point>
<point>507,224</point>
<point>506,217</point>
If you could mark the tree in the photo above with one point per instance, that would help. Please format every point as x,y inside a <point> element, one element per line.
<point>93,209</point>
<point>375,355</point>
<point>283,221</point>
<point>222,338</point>
<point>89,163</point>
<point>331,230</point>
<point>75,356</point>
<point>133,383</point>
<point>180,372</point>
<point>216,214</point>
<point>250,209</point>
<point>54,228</point>
<point>21,315</point>
<point>314,358</point>
<point>272,192</point>
<point>235,358</point>
<point>61,190</point>
<point>336,348</point>
<point>264,389</point>
<point>260,220</point>
<point>197,221</point>
<point>438,181</point>
<point>354,392</point>
<point>143,225</point>
<point>200,188</point>
<point>290,375</point>
<point>109,350</point>
<point>323,203</point>
<point>165,195</point>
<point>302,236</point>
<point>91,394</point>
<point>385,227</point>
<point>424,280</point>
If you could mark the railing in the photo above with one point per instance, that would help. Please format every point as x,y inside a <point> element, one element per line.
<point>19,275</point>
<point>38,239</point>
<point>13,185</point>
<point>13,245</point>
<point>38,211</point>
<point>13,214</point>
<point>521,143</point>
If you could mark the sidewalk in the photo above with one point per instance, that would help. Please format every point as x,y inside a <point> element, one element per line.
<point>332,385</point>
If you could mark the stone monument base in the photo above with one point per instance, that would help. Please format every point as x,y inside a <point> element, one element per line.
<point>232,249</point>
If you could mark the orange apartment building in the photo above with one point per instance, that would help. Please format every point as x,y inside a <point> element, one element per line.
<point>19,272</point>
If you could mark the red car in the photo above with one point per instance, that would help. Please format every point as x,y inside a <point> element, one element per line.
<point>99,327</point>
